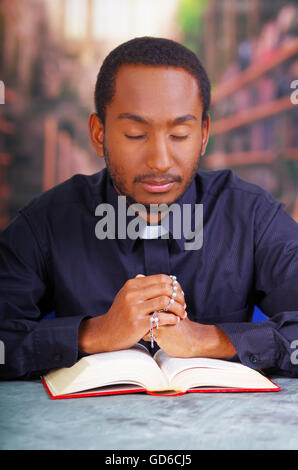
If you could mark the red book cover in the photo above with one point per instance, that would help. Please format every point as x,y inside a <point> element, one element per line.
<point>135,371</point>
<point>97,392</point>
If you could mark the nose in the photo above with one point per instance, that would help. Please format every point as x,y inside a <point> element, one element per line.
<point>159,156</point>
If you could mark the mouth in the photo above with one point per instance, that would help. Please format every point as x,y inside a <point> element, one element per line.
<point>157,186</point>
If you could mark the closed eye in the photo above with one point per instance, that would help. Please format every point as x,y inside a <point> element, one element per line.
<point>141,136</point>
<point>179,137</point>
<point>134,136</point>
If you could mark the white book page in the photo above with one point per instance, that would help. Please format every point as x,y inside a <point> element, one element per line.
<point>171,366</point>
<point>133,365</point>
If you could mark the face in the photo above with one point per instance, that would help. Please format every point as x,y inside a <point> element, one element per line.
<point>153,135</point>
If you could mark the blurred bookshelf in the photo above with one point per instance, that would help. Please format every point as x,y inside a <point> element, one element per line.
<point>250,50</point>
<point>284,52</point>
<point>44,118</point>
<point>7,131</point>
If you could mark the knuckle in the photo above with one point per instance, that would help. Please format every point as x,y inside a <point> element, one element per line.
<point>128,283</point>
<point>164,278</point>
<point>165,300</point>
<point>166,288</point>
<point>172,318</point>
<point>127,296</point>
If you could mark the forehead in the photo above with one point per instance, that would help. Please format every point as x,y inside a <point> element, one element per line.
<point>155,91</point>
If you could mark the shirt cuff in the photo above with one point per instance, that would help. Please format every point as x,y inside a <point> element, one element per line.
<point>254,343</point>
<point>55,342</point>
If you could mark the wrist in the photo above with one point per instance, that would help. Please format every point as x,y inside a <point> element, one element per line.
<point>211,341</point>
<point>89,341</point>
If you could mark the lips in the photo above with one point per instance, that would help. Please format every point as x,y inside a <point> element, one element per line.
<point>157,181</point>
<point>157,186</point>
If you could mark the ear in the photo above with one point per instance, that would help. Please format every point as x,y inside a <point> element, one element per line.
<point>205,134</point>
<point>96,131</point>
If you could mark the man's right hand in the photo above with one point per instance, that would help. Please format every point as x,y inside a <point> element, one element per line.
<point>128,319</point>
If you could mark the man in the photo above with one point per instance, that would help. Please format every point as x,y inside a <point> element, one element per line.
<point>151,126</point>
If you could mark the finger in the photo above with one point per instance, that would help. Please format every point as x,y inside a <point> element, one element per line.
<point>165,319</point>
<point>141,281</point>
<point>152,279</point>
<point>177,309</point>
<point>146,337</point>
<point>161,303</point>
<point>162,289</point>
<point>148,287</point>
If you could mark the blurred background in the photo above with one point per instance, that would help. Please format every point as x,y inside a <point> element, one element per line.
<point>51,52</point>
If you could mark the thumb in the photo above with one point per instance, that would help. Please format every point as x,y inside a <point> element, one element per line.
<point>140,275</point>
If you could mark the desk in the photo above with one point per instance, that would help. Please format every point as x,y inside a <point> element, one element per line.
<point>29,419</point>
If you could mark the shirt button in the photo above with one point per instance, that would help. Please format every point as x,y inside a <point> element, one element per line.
<point>253,359</point>
<point>57,357</point>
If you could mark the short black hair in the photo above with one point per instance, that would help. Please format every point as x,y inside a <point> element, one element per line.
<point>149,51</point>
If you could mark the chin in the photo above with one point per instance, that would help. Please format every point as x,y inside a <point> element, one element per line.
<point>156,198</point>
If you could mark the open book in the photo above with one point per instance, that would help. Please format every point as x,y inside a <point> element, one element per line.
<point>134,370</point>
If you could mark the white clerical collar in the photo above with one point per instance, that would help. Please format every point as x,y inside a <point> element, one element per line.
<point>153,231</point>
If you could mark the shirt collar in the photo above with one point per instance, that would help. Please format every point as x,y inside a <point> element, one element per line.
<point>190,196</point>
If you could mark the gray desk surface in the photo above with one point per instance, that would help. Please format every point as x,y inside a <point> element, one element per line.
<point>29,419</point>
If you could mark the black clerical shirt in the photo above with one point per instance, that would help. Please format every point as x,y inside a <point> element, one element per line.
<point>52,261</point>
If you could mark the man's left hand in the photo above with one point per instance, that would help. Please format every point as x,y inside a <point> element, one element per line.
<point>192,339</point>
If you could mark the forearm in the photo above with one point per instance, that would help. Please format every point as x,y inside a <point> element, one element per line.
<point>267,344</point>
<point>210,341</point>
<point>38,346</point>
<point>92,337</point>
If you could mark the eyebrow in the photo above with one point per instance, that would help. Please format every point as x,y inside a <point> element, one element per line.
<point>187,117</point>
<point>137,118</point>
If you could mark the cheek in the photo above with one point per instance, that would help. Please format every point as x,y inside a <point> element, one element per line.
<point>124,163</point>
<point>186,154</point>
<point>128,159</point>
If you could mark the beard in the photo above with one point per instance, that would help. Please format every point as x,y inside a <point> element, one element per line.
<point>120,186</point>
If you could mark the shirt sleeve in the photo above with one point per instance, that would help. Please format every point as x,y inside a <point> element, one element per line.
<point>271,344</point>
<point>31,344</point>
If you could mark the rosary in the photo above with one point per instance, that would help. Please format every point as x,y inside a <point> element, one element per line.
<point>154,318</point>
